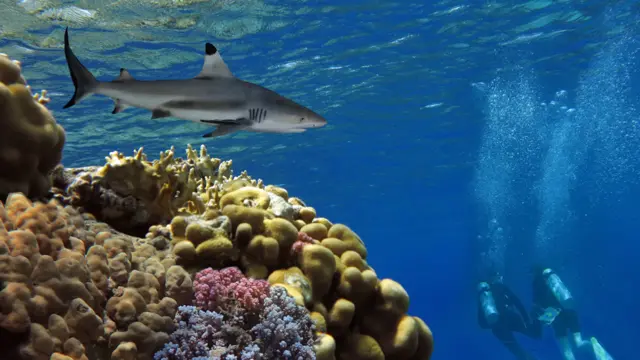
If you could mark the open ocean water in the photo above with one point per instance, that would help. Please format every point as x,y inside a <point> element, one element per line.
<point>464,137</point>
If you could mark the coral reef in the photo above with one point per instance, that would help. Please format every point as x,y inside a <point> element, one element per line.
<point>30,141</point>
<point>180,259</point>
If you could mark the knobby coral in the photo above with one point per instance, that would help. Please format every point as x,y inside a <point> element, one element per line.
<point>31,141</point>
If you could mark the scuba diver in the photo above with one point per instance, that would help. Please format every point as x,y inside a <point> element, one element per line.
<point>500,310</point>
<point>553,305</point>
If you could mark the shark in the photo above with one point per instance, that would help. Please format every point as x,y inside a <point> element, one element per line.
<point>214,97</point>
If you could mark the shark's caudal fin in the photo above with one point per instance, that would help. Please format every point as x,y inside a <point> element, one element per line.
<point>84,82</point>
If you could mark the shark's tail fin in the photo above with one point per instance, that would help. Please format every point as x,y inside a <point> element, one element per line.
<point>83,80</point>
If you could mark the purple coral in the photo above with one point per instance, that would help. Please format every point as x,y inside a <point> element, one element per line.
<point>253,322</point>
<point>195,331</point>
<point>221,289</point>
<point>286,330</point>
<point>208,335</point>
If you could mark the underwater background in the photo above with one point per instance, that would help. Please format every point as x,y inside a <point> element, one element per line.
<point>463,137</point>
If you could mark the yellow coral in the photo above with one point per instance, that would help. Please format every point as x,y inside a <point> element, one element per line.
<point>247,196</point>
<point>252,216</point>
<point>425,341</point>
<point>325,348</point>
<point>361,347</point>
<point>207,240</point>
<point>264,250</point>
<point>30,141</point>
<point>317,231</point>
<point>162,189</point>
<point>319,265</point>
<point>341,238</point>
<point>296,283</point>
<point>341,315</point>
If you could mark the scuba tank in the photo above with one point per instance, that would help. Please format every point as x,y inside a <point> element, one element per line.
<point>558,289</point>
<point>487,303</point>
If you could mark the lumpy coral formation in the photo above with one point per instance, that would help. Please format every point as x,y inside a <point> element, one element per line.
<point>179,259</point>
<point>30,141</point>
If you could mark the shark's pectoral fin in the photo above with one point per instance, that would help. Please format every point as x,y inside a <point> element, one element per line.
<point>213,65</point>
<point>119,106</point>
<point>159,114</point>
<point>223,129</point>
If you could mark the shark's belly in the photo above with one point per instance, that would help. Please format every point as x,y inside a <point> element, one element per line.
<point>274,127</point>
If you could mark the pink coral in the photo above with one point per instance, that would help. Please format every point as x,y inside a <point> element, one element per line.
<point>220,289</point>
<point>304,239</point>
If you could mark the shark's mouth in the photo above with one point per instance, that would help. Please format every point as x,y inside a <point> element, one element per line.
<point>311,126</point>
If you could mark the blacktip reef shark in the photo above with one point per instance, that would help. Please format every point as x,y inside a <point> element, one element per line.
<point>213,97</point>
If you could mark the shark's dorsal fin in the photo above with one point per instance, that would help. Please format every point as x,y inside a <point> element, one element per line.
<point>213,65</point>
<point>124,75</point>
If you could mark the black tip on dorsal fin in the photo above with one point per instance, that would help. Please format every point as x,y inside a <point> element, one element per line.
<point>209,49</point>
<point>124,75</point>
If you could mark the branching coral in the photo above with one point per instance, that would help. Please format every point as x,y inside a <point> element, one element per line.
<point>195,331</point>
<point>285,330</point>
<point>132,193</point>
<point>217,289</point>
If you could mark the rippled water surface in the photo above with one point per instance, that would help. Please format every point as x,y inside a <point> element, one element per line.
<point>369,66</point>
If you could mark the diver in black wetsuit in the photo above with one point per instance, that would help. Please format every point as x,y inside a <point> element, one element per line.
<point>500,310</point>
<point>553,304</point>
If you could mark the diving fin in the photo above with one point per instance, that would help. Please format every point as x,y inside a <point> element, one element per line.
<point>549,315</point>
<point>599,351</point>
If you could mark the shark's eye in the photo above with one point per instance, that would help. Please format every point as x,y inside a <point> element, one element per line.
<point>301,119</point>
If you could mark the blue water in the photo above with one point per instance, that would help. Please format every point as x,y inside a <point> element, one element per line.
<point>464,138</point>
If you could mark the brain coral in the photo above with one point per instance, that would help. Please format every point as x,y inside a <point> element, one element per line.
<point>133,259</point>
<point>30,141</point>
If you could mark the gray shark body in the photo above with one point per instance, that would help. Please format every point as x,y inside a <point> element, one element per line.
<point>213,97</point>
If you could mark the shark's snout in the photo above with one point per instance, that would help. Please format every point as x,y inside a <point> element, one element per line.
<point>319,123</point>
<point>313,121</point>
